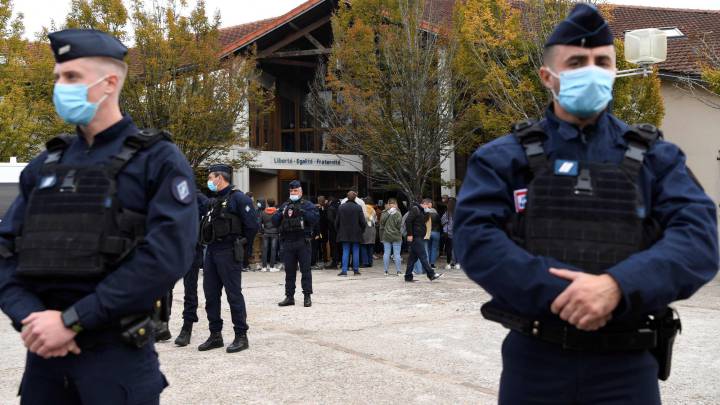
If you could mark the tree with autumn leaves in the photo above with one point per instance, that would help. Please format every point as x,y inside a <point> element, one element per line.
<point>27,114</point>
<point>406,92</point>
<point>501,53</point>
<point>177,78</point>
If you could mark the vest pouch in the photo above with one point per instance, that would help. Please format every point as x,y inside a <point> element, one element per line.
<point>69,222</point>
<point>221,227</point>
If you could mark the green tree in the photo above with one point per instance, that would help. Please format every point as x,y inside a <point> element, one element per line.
<point>177,79</point>
<point>389,93</point>
<point>27,115</point>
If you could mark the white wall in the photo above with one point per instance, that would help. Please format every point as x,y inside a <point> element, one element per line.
<point>695,128</point>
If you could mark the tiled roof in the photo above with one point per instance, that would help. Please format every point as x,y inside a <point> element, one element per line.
<point>236,37</point>
<point>229,35</point>
<point>683,53</point>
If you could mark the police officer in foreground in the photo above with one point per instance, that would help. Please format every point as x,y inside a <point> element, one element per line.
<point>105,224</point>
<point>223,231</point>
<point>296,219</point>
<point>584,229</point>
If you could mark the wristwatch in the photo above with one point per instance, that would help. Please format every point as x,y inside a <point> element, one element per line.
<point>71,320</point>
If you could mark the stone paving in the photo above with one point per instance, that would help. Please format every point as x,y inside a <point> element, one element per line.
<point>373,339</point>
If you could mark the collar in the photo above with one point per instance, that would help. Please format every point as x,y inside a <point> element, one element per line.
<point>109,134</point>
<point>226,190</point>
<point>605,124</point>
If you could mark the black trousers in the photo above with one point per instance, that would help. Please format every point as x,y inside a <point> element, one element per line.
<point>335,247</point>
<point>297,252</point>
<point>221,270</point>
<point>417,252</point>
<point>111,372</point>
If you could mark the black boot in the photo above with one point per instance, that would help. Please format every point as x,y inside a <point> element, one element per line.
<point>239,344</point>
<point>183,338</point>
<point>163,332</point>
<point>289,300</point>
<point>308,301</point>
<point>214,341</point>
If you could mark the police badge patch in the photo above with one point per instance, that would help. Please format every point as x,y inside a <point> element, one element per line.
<point>181,190</point>
<point>520,200</point>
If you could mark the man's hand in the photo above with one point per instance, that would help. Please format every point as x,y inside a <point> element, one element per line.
<point>71,347</point>
<point>45,334</point>
<point>588,301</point>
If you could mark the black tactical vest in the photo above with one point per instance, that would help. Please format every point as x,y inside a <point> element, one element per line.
<point>75,226</point>
<point>590,215</point>
<point>293,223</point>
<point>219,222</point>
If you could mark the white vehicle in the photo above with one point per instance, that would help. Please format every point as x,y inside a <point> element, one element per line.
<point>9,177</point>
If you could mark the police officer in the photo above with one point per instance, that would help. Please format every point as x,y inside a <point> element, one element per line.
<point>190,281</point>
<point>296,219</point>
<point>230,213</point>
<point>105,223</point>
<point>580,226</point>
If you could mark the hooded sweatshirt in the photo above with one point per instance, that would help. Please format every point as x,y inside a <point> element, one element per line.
<point>268,228</point>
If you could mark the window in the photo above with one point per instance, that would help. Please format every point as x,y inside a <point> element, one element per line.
<point>672,32</point>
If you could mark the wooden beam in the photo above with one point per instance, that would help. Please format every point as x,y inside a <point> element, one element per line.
<point>295,54</point>
<point>309,37</point>
<point>290,62</point>
<point>294,36</point>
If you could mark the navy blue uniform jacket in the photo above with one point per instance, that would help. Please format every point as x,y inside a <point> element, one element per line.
<point>311,216</point>
<point>149,185</point>
<point>685,258</point>
<point>241,205</point>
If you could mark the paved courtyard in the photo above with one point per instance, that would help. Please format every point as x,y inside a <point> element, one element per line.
<point>373,339</point>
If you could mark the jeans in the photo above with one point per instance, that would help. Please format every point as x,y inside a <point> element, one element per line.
<point>395,246</point>
<point>270,246</point>
<point>366,254</point>
<point>355,253</point>
<point>434,247</point>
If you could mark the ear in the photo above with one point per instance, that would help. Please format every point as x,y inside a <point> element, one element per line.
<point>113,82</point>
<point>546,78</point>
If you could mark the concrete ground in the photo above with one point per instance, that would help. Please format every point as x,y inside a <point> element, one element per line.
<point>373,339</point>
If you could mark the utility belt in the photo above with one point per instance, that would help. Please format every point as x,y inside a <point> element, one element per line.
<point>656,335</point>
<point>139,330</point>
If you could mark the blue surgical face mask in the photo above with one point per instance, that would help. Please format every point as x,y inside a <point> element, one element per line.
<point>586,91</point>
<point>72,105</point>
<point>294,197</point>
<point>212,186</point>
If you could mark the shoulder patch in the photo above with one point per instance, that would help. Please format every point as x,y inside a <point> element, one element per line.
<point>180,188</point>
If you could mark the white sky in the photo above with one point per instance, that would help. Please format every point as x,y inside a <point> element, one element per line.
<point>39,13</point>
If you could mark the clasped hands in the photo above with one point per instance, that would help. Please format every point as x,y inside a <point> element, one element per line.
<point>44,334</point>
<point>588,302</point>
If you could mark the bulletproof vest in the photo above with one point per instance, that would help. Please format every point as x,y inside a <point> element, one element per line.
<point>75,226</point>
<point>590,215</point>
<point>219,222</point>
<point>293,222</point>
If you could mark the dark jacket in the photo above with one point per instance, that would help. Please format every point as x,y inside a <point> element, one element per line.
<point>332,211</point>
<point>267,226</point>
<point>415,222</point>
<point>350,222</point>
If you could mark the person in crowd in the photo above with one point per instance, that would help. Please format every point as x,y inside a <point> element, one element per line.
<point>447,224</point>
<point>270,235</point>
<point>368,237</point>
<point>390,235</point>
<point>350,224</point>
<point>418,225</point>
